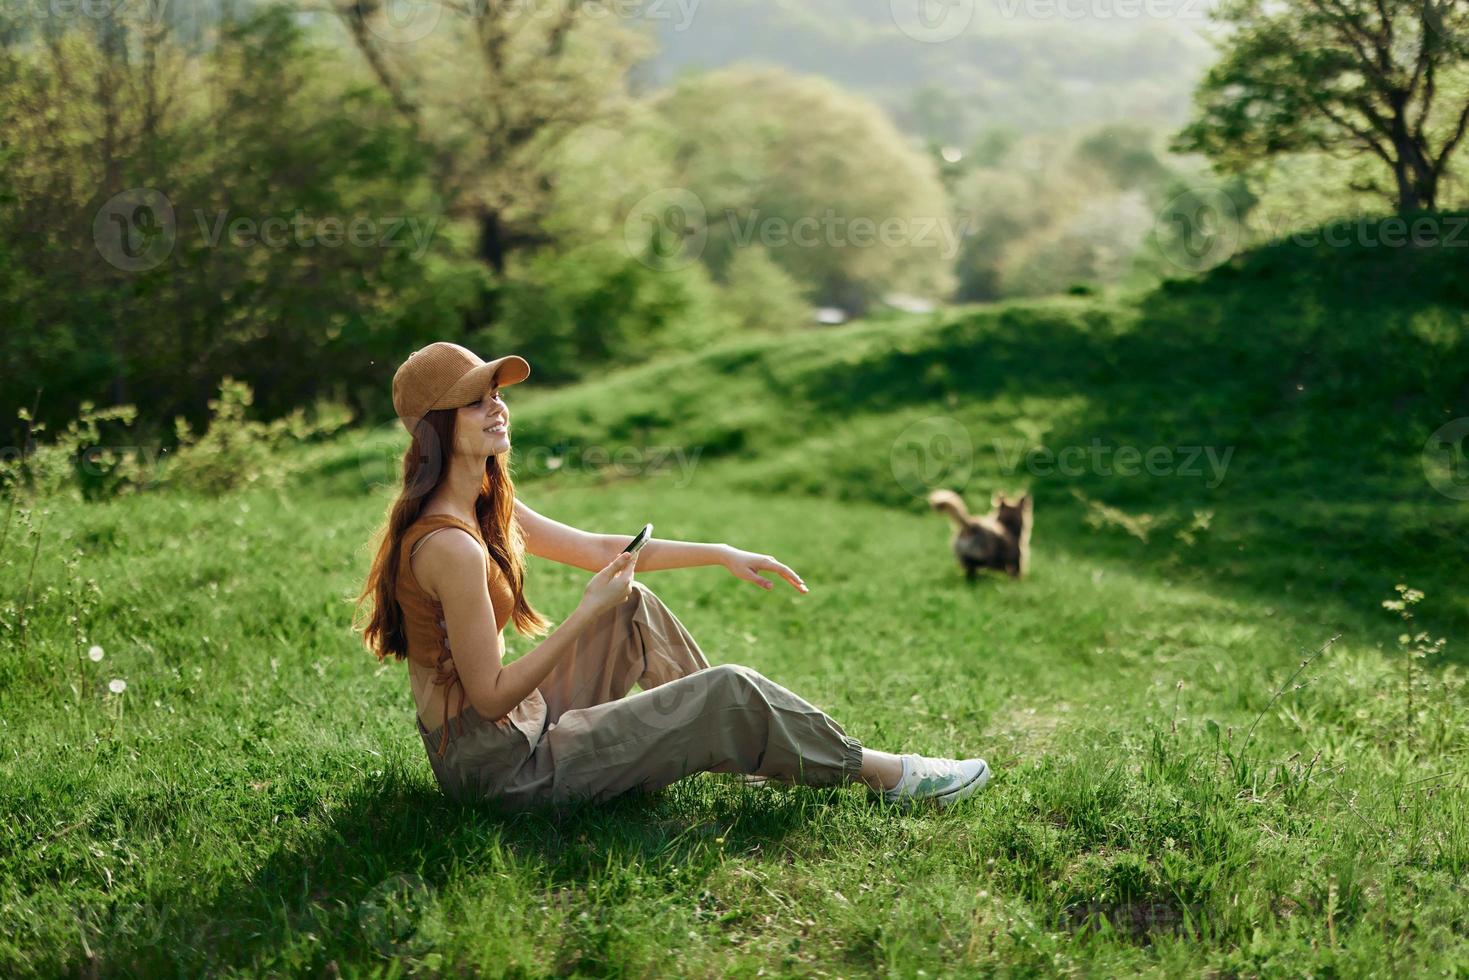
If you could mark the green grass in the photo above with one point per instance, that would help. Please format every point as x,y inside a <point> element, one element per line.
<point>259,790</point>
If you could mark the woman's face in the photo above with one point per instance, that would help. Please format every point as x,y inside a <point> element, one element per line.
<point>483,427</point>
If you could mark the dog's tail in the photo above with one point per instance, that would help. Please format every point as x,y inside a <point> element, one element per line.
<point>951,504</point>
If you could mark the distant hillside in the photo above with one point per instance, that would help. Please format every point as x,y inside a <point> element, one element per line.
<point>1033,73</point>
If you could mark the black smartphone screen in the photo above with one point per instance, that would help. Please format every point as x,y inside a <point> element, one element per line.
<point>641,539</point>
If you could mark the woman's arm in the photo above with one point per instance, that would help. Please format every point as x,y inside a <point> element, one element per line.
<point>547,538</point>
<point>554,541</point>
<point>452,566</point>
<point>663,553</point>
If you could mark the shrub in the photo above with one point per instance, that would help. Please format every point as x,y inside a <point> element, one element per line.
<point>235,452</point>
<point>76,464</point>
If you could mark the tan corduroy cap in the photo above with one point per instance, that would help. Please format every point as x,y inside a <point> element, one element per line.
<point>445,375</point>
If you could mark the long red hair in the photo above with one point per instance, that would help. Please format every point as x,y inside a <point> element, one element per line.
<point>425,464</point>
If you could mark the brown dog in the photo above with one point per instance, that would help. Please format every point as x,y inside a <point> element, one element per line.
<point>999,540</point>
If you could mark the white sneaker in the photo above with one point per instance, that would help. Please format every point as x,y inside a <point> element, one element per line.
<point>940,780</point>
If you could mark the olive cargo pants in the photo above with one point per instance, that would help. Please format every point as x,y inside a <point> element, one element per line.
<point>582,736</point>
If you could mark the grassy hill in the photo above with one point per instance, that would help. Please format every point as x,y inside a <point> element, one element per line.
<point>1174,794</point>
<point>1288,397</point>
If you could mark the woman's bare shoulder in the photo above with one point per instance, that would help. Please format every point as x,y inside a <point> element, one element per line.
<point>449,555</point>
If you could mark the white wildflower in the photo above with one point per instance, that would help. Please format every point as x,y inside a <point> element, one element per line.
<point>117,685</point>
<point>94,654</point>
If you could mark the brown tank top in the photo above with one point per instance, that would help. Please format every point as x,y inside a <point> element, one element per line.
<point>423,615</point>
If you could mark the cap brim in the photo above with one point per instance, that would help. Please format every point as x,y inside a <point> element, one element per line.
<point>510,369</point>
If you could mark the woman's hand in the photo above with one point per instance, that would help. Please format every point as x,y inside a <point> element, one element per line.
<point>611,586</point>
<point>745,565</point>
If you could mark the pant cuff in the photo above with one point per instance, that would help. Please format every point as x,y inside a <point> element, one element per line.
<point>851,759</point>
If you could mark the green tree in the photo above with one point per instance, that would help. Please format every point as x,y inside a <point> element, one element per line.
<point>173,216</point>
<point>810,172</point>
<point>1342,77</point>
<point>493,92</point>
<point>761,295</point>
<point>1049,212</point>
<point>569,310</point>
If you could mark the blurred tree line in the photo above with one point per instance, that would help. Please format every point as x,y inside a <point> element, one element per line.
<point>298,193</point>
<point>115,294</point>
<point>298,196</point>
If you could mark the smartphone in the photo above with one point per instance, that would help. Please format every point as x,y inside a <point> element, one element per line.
<point>636,544</point>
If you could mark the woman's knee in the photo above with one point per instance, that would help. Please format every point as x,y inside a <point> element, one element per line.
<point>735,673</point>
<point>736,681</point>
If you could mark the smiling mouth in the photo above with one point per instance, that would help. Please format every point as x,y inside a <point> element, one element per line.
<point>502,427</point>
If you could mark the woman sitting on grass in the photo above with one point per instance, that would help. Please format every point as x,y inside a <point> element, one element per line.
<point>558,724</point>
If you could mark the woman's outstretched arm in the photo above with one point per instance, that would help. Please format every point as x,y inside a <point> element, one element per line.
<point>553,540</point>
